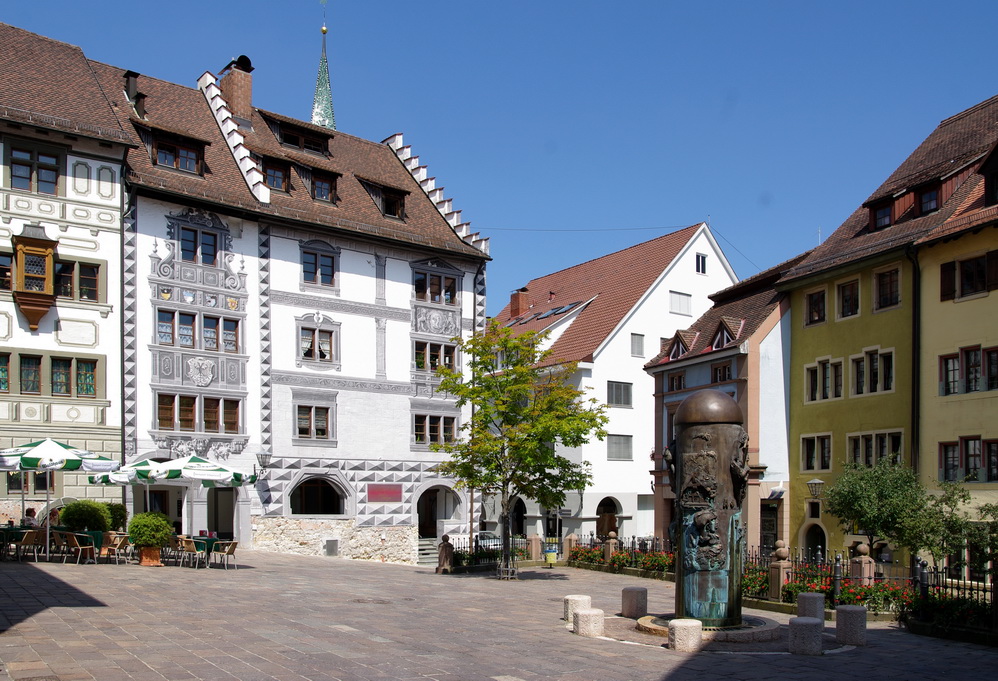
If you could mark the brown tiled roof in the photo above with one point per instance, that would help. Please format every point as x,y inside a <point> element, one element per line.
<point>970,214</point>
<point>49,84</point>
<point>613,283</point>
<point>184,110</point>
<point>958,142</point>
<point>742,308</point>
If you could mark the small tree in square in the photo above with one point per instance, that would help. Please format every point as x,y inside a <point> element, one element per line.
<point>521,409</point>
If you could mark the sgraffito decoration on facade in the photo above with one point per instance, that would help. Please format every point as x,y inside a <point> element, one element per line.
<point>709,472</point>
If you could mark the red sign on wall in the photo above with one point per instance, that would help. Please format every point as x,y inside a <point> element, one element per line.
<point>383,492</point>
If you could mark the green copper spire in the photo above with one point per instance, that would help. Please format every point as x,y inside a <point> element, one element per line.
<point>322,105</point>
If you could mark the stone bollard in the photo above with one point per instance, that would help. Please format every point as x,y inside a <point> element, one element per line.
<point>588,622</point>
<point>610,546</point>
<point>862,567</point>
<point>805,635</point>
<point>534,547</point>
<point>686,635</point>
<point>811,605</point>
<point>573,603</point>
<point>634,602</point>
<point>570,542</point>
<point>850,625</point>
<point>779,571</point>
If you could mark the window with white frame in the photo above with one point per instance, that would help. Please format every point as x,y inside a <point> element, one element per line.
<point>618,394</point>
<point>887,288</point>
<point>619,448</point>
<point>873,372</point>
<point>637,345</point>
<point>318,342</point>
<point>848,299</point>
<point>866,449</point>
<point>435,287</point>
<point>198,413</point>
<point>824,380</point>
<point>433,429</point>
<point>428,356</point>
<point>701,263</point>
<point>680,303</point>
<point>199,245</point>
<point>814,307</point>
<point>313,422</point>
<point>319,265</point>
<point>816,452</point>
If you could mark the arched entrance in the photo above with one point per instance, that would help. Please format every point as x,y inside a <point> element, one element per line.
<point>435,506</point>
<point>316,496</point>
<point>518,519</point>
<point>815,542</point>
<point>606,517</point>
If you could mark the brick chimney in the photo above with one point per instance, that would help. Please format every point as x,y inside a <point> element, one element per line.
<point>237,87</point>
<point>518,302</point>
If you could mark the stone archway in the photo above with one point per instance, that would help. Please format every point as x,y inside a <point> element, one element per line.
<point>815,542</point>
<point>518,519</point>
<point>434,507</point>
<point>606,516</point>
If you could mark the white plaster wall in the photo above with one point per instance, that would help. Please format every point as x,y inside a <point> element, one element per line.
<point>774,384</point>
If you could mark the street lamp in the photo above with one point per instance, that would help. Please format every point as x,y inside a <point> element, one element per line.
<point>815,487</point>
<point>263,458</point>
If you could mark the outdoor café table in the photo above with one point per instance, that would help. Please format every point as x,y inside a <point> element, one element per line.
<point>207,542</point>
<point>93,538</point>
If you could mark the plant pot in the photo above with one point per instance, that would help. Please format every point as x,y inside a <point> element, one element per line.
<point>149,555</point>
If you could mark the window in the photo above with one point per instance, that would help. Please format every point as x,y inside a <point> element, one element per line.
<point>678,350</point>
<point>720,372</point>
<point>618,448</point>
<point>882,216</point>
<point>176,156</point>
<point>318,268</point>
<point>680,303</point>
<point>34,170</point>
<point>815,302</point>
<point>848,295</point>
<point>824,380</point>
<point>175,412</point>
<point>866,449</point>
<point>175,328</point>
<point>324,188</point>
<point>317,344</point>
<point>677,381</point>
<point>991,369</point>
<point>313,422</point>
<point>949,452</point>
<point>180,412</point>
<point>275,176</point>
<point>949,369</point>
<point>70,373</point>
<point>391,202</point>
<point>721,338</point>
<point>618,394</point>
<point>432,429</point>
<point>435,288</point>
<point>991,460</point>
<point>6,263</point>
<point>429,356</point>
<point>76,280</point>
<point>31,375</point>
<point>197,245</point>
<point>888,288</point>
<point>973,276</point>
<point>816,452</point>
<point>971,458</point>
<point>305,142</point>
<point>4,373</point>
<point>701,263</point>
<point>637,345</point>
<point>972,369</point>
<point>928,200</point>
<point>220,415</point>
<point>15,482</point>
<point>873,372</point>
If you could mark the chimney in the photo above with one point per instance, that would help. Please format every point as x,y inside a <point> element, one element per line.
<point>518,302</point>
<point>131,85</point>
<point>237,87</point>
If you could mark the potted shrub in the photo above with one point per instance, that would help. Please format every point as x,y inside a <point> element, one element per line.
<point>150,532</point>
<point>84,514</point>
<point>119,515</point>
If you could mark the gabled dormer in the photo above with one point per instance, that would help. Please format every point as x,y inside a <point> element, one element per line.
<point>677,348</point>
<point>172,149</point>
<point>722,336</point>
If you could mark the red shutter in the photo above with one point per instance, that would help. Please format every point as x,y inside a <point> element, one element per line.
<point>947,281</point>
<point>992,270</point>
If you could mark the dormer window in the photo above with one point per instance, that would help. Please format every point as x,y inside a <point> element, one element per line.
<point>275,175</point>
<point>176,156</point>
<point>324,188</point>
<point>391,202</point>
<point>881,216</point>
<point>721,338</point>
<point>677,350</point>
<point>290,138</point>
<point>928,201</point>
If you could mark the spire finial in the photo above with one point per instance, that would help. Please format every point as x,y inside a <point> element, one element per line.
<point>322,104</point>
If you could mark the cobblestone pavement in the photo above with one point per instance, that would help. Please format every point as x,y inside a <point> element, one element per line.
<point>292,617</point>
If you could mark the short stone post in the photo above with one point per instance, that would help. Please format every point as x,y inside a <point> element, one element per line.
<point>634,602</point>
<point>573,603</point>
<point>685,635</point>
<point>570,542</point>
<point>779,570</point>
<point>610,546</point>
<point>850,625</point>
<point>588,622</point>
<point>862,566</point>
<point>811,605</point>
<point>805,635</point>
<point>534,547</point>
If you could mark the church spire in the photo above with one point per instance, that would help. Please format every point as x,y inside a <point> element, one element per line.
<point>322,105</point>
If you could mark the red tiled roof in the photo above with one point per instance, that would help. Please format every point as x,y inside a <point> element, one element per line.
<point>959,142</point>
<point>742,308</point>
<point>49,84</point>
<point>614,283</point>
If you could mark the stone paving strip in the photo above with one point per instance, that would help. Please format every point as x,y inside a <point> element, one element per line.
<point>289,618</point>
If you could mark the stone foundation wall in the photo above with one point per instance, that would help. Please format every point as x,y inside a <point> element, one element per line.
<point>307,537</point>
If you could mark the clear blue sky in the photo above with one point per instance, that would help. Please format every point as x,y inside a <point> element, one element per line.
<point>565,130</point>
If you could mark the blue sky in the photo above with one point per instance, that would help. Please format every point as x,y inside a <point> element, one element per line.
<point>568,130</point>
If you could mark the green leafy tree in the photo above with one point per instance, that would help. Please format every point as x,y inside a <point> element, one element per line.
<point>522,407</point>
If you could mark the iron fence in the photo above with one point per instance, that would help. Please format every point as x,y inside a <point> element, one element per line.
<point>486,551</point>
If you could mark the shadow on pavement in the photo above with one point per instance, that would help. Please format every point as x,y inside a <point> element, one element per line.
<point>26,591</point>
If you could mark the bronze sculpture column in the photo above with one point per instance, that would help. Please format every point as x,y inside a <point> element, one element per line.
<point>709,472</point>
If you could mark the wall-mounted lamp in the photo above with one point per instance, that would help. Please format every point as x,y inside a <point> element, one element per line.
<point>262,458</point>
<point>815,487</point>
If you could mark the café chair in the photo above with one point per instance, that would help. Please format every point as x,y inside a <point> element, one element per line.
<point>74,546</point>
<point>117,549</point>
<point>223,552</point>
<point>28,541</point>
<point>193,553</point>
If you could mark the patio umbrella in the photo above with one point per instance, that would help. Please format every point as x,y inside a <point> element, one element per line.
<point>129,474</point>
<point>49,455</point>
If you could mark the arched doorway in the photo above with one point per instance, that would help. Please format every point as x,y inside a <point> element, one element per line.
<point>316,496</point>
<point>433,507</point>
<point>518,519</point>
<point>815,542</point>
<point>606,517</point>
